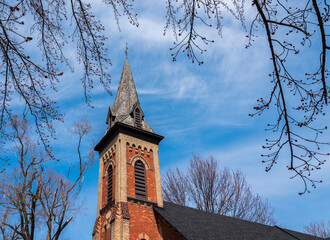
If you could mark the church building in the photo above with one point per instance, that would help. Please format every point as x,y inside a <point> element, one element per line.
<point>130,205</point>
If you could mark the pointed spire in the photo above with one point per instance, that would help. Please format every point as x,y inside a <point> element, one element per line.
<point>126,96</point>
<point>126,103</point>
<point>126,50</point>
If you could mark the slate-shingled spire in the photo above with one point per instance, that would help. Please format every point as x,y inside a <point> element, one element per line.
<point>126,108</point>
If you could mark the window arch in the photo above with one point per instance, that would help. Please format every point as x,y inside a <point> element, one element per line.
<point>110,173</point>
<point>140,180</point>
<point>137,118</point>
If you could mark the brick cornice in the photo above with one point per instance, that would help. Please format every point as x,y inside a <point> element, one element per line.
<point>96,226</point>
<point>141,200</point>
<point>120,208</point>
<point>107,207</point>
<point>130,131</point>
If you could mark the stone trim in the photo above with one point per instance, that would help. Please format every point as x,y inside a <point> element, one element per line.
<point>139,157</point>
<point>112,232</point>
<point>120,211</point>
<point>109,154</point>
<point>125,229</point>
<point>143,150</point>
<point>107,207</point>
<point>121,171</point>
<point>143,236</point>
<point>114,213</point>
<point>111,148</point>
<point>141,201</point>
<point>159,194</point>
<point>111,162</point>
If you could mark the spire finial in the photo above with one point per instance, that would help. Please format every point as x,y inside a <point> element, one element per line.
<point>126,50</point>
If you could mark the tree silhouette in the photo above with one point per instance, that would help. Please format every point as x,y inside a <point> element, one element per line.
<point>36,200</point>
<point>288,26</point>
<point>319,229</point>
<point>26,77</point>
<point>298,101</point>
<point>224,192</point>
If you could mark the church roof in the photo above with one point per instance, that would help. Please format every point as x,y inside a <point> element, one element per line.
<point>126,102</point>
<point>126,94</point>
<point>194,224</point>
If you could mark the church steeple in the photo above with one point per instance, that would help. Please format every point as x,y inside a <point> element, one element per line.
<point>129,174</point>
<point>127,107</point>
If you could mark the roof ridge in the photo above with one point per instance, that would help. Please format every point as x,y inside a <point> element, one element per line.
<point>284,230</point>
<point>211,225</point>
<point>218,214</point>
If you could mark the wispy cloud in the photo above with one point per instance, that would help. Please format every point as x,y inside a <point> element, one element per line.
<point>202,109</point>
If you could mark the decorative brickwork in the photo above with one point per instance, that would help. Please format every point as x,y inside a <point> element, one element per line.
<point>167,231</point>
<point>114,212</point>
<point>124,217</point>
<point>142,221</point>
<point>106,207</point>
<point>125,212</point>
<point>133,155</point>
<point>128,220</point>
<point>143,236</point>
<point>136,153</point>
<point>139,157</point>
<point>96,226</point>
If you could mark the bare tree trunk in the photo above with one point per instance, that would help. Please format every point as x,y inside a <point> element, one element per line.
<point>35,195</point>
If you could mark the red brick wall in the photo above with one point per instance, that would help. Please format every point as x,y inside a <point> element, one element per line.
<point>151,185</point>
<point>131,154</point>
<point>167,231</point>
<point>113,176</point>
<point>150,173</point>
<point>101,227</point>
<point>130,181</point>
<point>142,220</point>
<point>104,191</point>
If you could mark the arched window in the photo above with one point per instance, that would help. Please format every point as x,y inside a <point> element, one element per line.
<point>140,180</point>
<point>137,118</point>
<point>110,183</point>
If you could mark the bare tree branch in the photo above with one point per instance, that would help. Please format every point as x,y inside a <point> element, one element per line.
<point>288,26</point>
<point>35,196</point>
<point>32,78</point>
<point>319,229</point>
<point>224,192</point>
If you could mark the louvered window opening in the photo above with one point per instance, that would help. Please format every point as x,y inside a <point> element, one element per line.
<point>110,184</point>
<point>140,180</point>
<point>137,119</point>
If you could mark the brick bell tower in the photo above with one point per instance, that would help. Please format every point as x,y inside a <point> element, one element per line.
<point>129,177</point>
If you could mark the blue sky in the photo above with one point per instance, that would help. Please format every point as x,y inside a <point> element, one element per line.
<point>198,109</point>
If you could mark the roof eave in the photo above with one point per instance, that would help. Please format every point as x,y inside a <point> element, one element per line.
<point>129,130</point>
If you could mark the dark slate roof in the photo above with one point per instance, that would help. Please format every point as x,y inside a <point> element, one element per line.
<point>125,102</point>
<point>194,224</point>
